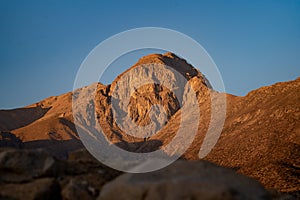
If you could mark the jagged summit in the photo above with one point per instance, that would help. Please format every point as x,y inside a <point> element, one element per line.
<point>158,58</point>
<point>169,59</point>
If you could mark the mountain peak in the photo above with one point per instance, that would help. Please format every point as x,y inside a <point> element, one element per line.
<point>158,57</point>
<point>171,60</point>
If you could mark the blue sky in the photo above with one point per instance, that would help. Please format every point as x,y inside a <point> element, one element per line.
<point>43,43</point>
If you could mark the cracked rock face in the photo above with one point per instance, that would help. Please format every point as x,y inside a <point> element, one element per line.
<point>145,97</point>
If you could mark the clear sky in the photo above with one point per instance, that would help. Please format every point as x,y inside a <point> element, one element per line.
<point>43,43</point>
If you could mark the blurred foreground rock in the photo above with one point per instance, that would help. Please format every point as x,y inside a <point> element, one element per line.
<point>185,180</point>
<point>43,189</point>
<point>35,175</point>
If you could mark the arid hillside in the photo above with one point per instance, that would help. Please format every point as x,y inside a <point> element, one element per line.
<point>260,137</point>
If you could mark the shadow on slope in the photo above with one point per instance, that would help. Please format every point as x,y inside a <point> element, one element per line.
<point>56,148</point>
<point>17,118</point>
<point>8,139</point>
<point>140,147</point>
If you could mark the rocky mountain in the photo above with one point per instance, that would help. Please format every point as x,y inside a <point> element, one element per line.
<point>260,136</point>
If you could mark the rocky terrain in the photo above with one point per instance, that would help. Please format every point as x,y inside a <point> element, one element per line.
<point>260,139</point>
